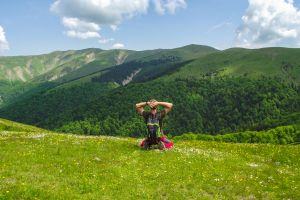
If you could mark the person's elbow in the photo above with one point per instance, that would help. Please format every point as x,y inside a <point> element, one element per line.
<point>138,108</point>
<point>169,107</point>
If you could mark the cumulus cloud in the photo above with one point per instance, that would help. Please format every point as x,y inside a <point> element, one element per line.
<point>84,18</point>
<point>74,23</point>
<point>118,46</point>
<point>82,35</point>
<point>3,42</point>
<point>81,29</point>
<point>269,23</point>
<point>109,12</point>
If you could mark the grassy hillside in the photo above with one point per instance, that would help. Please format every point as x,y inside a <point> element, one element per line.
<point>74,67</point>
<point>274,62</point>
<point>79,63</point>
<point>127,62</point>
<point>98,60</point>
<point>46,165</point>
<point>24,68</point>
<point>187,52</point>
<point>19,74</point>
<point>6,125</point>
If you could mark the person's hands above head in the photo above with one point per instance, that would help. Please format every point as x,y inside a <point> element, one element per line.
<point>150,104</point>
<point>153,104</point>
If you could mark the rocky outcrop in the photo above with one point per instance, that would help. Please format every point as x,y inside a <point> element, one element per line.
<point>129,78</point>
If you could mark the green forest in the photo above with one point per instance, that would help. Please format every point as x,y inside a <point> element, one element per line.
<point>210,105</point>
<point>279,135</point>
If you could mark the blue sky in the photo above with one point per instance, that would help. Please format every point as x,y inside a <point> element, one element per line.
<point>36,27</point>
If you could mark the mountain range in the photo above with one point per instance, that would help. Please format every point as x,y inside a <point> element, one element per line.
<point>18,74</point>
<point>75,81</point>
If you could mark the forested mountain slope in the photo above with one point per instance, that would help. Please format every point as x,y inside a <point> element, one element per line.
<point>254,63</point>
<point>21,74</point>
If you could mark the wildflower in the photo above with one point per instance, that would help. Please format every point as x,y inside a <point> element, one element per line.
<point>97,159</point>
<point>252,164</point>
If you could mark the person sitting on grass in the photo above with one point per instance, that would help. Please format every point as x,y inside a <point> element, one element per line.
<point>153,120</point>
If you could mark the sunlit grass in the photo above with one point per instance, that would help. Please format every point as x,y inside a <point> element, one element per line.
<point>46,165</point>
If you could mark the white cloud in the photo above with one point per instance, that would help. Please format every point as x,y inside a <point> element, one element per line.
<point>3,42</point>
<point>114,27</point>
<point>81,29</point>
<point>103,12</point>
<point>84,18</point>
<point>161,6</point>
<point>76,24</point>
<point>118,46</point>
<point>105,41</point>
<point>269,23</point>
<point>82,35</point>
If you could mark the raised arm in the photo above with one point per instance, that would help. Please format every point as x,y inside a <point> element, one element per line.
<point>140,107</point>
<point>168,106</point>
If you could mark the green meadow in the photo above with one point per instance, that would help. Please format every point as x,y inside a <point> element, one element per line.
<point>38,164</point>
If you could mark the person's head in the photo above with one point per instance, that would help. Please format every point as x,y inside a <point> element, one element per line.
<point>152,100</point>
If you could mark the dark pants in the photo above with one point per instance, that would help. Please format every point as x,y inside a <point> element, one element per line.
<point>152,140</point>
